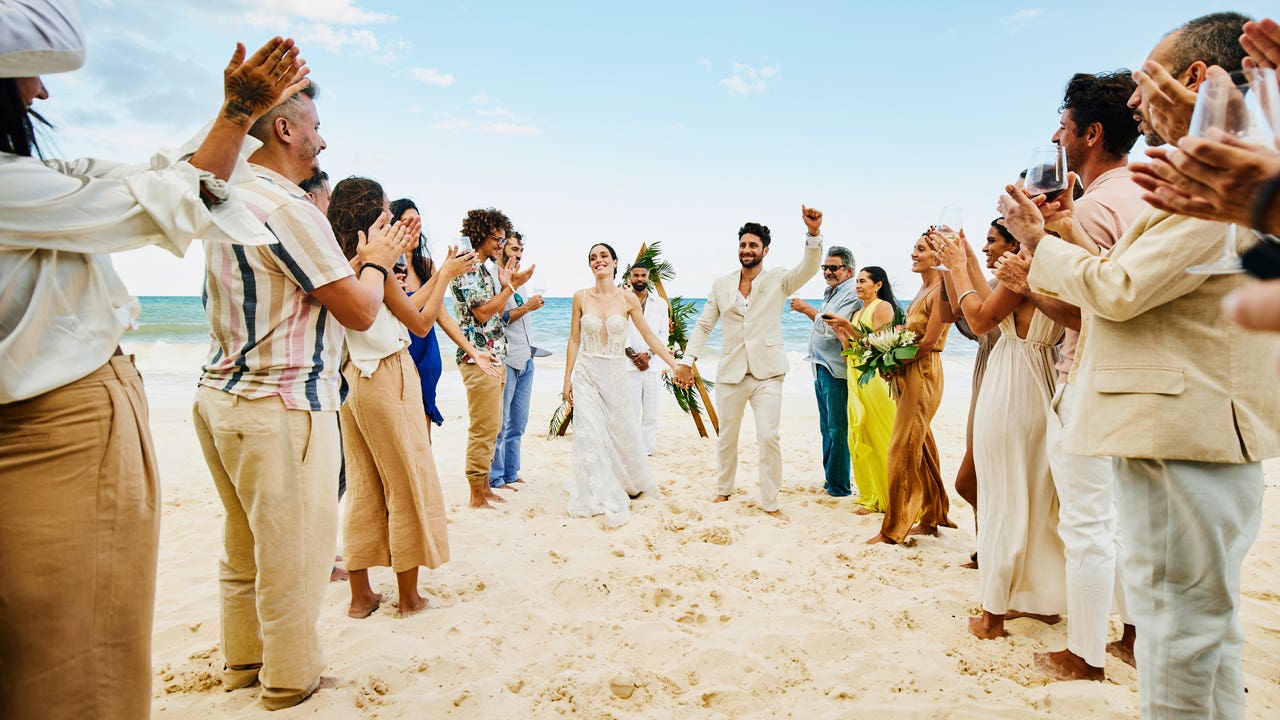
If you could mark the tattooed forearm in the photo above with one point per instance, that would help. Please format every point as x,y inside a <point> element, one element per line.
<point>247,98</point>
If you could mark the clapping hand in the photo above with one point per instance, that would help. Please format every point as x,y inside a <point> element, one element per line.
<point>1213,177</point>
<point>1169,103</point>
<point>1022,215</point>
<point>1012,269</point>
<point>511,275</point>
<point>950,254</point>
<point>1262,41</point>
<point>384,243</point>
<point>254,86</point>
<point>812,219</point>
<point>457,263</point>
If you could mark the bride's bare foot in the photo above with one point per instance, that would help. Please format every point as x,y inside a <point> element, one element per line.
<point>720,498</point>
<point>362,606</point>
<point>1046,619</point>
<point>1066,665</point>
<point>880,538</point>
<point>922,529</point>
<point>987,626</point>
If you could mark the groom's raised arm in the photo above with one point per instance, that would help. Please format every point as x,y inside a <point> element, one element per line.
<point>796,277</point>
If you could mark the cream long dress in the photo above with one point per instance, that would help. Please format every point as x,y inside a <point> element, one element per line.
<point>1022,566</point>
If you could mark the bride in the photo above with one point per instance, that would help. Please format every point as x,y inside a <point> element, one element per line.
<point>609,461</point>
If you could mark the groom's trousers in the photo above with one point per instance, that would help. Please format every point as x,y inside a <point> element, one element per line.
<point>765,397</point>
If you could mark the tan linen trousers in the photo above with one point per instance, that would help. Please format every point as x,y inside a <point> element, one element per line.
<point>276,471</point>
<point>484,405</point>
<point>395,511</point>
<point>79,534</point>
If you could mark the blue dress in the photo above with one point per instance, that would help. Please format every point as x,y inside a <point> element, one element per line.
<point>426,355</point>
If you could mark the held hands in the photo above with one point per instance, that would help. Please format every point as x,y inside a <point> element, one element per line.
<point>1012,269</point>
<point>1169,103</point>
<point>683,376</point>
<point>1213,177</point>
<point>812,219</point>
<point>254,86</point>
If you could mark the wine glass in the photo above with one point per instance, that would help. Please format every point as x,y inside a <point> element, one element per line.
<point>1047,173</point>
<point>950,223</point>
<point>1235,104</point>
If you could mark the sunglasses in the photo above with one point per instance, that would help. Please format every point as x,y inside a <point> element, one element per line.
<point>832,268</point>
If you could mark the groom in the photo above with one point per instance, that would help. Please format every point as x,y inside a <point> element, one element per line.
<point>753,359</point>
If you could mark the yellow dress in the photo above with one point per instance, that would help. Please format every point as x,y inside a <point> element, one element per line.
<point>871,415</point>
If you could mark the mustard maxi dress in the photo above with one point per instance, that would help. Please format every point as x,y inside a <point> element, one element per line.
<point>871,415</point>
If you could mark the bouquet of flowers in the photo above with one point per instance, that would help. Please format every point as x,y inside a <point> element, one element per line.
<point>881,351</point>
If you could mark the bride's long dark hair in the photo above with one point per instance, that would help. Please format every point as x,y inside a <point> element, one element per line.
<point>612,253</point>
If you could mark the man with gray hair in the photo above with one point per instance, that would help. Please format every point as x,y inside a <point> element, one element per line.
<point>829,382</point>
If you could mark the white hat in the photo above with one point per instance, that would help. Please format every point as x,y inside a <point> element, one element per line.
<point>38,37</point>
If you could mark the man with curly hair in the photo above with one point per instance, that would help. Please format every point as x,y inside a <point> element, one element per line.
<point>479,304</point>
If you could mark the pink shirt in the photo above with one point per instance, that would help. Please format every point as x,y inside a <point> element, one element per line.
<point>1110,204</point>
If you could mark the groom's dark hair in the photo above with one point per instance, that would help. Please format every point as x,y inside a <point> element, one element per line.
<point>755,228</point>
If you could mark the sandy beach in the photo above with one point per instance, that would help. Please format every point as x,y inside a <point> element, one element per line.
<point>692,610</point>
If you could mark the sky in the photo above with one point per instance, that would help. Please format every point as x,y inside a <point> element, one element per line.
<point>628,122</point>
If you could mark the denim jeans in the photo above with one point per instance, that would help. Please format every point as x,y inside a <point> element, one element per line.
<point>833,418</point>
<point>515,418</point>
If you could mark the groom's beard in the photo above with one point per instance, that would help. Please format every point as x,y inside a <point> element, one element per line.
<point>749,261</point>
<point>640,286</point>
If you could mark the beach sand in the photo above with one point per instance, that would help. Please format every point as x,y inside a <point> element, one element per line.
<point>692,610</point>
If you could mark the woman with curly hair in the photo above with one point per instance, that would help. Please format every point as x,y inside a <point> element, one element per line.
<point>395,510</point>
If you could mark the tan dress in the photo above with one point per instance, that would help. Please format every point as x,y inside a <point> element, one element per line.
<point>916,491</point>
<point>1022,557</point>
<point>395,511</point>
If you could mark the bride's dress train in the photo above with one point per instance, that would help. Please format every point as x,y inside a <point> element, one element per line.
<point>609,460</point>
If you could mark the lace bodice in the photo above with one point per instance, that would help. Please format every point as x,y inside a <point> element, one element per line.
<point>608,337</point>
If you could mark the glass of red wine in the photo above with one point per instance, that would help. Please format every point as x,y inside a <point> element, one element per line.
<point>1047,173</point>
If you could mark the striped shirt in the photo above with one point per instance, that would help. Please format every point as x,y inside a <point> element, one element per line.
<point>268,335</point>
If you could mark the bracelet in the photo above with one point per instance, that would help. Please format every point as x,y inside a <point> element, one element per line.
<point>379,268</point>
<point>963,295</point>
<point>1263,197</point>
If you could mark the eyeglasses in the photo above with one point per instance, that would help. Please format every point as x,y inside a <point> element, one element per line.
<point>832,268</point>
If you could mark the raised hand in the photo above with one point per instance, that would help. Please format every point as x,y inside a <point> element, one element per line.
<point>799,305</point>
<point>274,73</point>
<point>812,219</point>
<point>1213,177</point>
<point>950,254</point>
<point>521,276</point>
<point>1022,216</point>
<point>1012,269</point>
<point>381,246</point>
<point>456,263</point>
<point>1262,41</point>
<point>1169,103</point>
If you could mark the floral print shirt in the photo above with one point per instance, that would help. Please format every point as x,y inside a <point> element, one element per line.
<point>471,290</point>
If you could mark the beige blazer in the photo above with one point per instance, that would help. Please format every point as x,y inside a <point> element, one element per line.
<point>751,342</point>
<point>1164,375</point>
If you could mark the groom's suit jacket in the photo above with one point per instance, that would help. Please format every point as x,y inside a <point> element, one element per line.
<point>1163,374</point>
<point>752,341</point>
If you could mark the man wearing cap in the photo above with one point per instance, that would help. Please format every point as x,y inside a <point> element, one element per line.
<point>78,480</point>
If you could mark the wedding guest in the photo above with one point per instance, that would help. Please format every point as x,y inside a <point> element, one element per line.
<point>318,191</point>
<point>1187,430</point>
<point>839,299</point>
<point>916,490</point>
<point>1096,131</point>
<point>1021,568</point>
<point>266,414</point>
<point>871,411</point>
<point>395,511</point>
<point>479,303</point>
<point>645,375</point>
<point>518,386</point>
<point>753,359</point>
<point>78,477</point>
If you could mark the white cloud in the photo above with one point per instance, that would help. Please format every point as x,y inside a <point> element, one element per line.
<point>501,127</point>
<point>432,76</point>
<point>274,13</point>
<point>1017,20</point>
<point>746,80</point>
<point>496,112</point>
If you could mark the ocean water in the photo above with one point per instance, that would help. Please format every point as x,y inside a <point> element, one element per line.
<point>180,320</point>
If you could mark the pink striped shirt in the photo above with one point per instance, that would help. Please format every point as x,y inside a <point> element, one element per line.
<point>268,335</point>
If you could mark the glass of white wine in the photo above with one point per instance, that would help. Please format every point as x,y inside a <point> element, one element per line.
<point>950,223</point>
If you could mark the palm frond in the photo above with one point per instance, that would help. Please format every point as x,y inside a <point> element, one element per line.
<point>660,270</point>
<point>560,421</point>
<point>686,398</point>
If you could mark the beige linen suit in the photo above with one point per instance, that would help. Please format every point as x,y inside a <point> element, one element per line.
<point>753,361</point>
<point>1188,405</point>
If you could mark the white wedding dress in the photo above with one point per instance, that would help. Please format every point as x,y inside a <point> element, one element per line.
<point>609,461</point>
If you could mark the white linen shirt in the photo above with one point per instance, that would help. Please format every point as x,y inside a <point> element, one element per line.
<point>63,309</point>
<point>386,337</point>
<point>659,321</point>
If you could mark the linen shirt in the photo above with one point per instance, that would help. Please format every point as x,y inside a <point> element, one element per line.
<point>63,309</point>
<point>387,336</point>
<point>825,347</point>
<point>471,290</point>
<point>1105,211</point>
<point>658,318</point>
<point>268,335</point>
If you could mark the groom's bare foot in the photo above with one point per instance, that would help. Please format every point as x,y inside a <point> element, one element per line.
<point>778,514</point>
<point>720,498</point>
